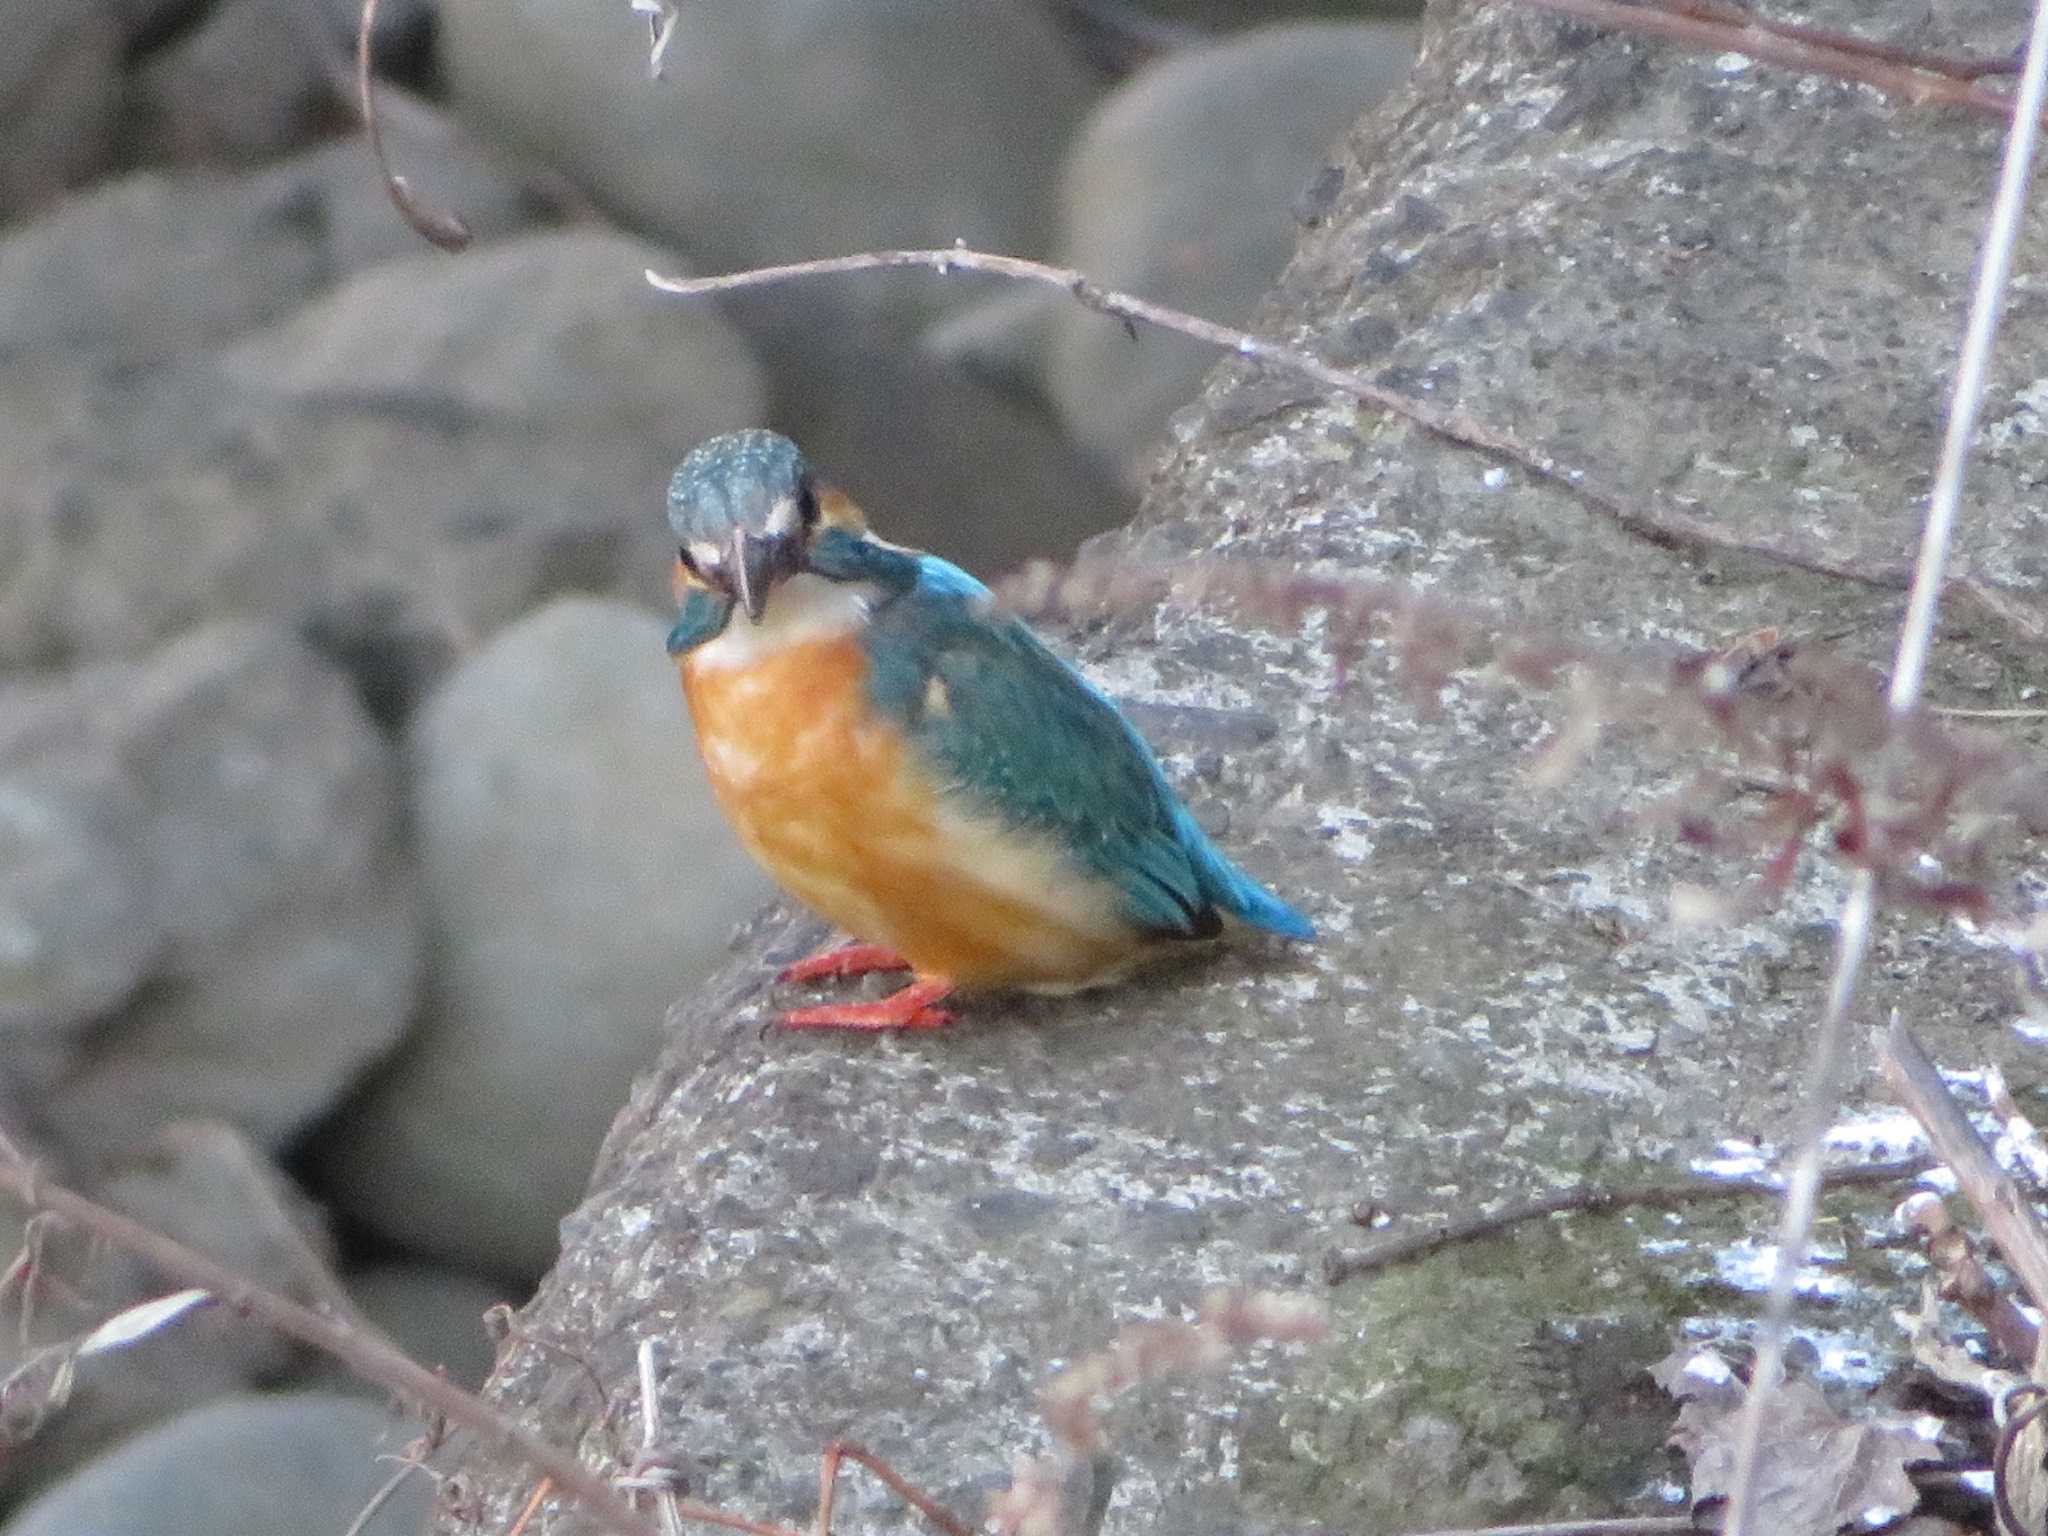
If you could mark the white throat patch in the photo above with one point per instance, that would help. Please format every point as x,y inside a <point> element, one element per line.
<point>804,608</point>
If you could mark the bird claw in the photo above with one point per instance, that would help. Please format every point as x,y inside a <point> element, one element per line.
<point>844,960</point>
<point>912,1008</point>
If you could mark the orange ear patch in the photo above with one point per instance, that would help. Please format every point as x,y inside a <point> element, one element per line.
<point>836,509</point>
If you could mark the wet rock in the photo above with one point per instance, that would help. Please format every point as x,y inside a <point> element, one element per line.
<point>1182,188</point>
<point>577,875</point>
<point>1511,935</point>
<point>59,97</point>
<point>207,909</point>
<point>295,1464</point>
<point>395,470</point>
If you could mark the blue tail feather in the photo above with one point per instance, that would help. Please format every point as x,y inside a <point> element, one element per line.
<point>1233,892</point>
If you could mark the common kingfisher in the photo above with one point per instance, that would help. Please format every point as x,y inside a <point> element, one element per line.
<point>913,763</point>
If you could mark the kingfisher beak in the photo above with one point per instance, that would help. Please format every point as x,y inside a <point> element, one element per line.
<point>758,563</point>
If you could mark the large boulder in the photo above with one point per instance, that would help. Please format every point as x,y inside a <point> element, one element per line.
<point>577,874</point>
<point>208,906</point>
<point>787,128</point>
<point>1694,277</point>
<point>60,87</point>
<point>1183,187</point>
<point>797,128</point>
<point>150,267</point>
<point>396,469</point>
<point>293,1464</point>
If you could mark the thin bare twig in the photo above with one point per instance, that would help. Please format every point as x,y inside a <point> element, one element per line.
<point>1591,1200</point>
<point>901,1486</point>
<point>1664,527</point>
<point>1646,1525</point>
<point>382,1496</point>
<point>649,1467</point>
<point>369,1357</point>
<point>1965,1281</point>
<point>1812,52</point>
<point>1971,68</point>
<point>443,230</point>
<point>1993,1192</point>
<point>1909,666</point>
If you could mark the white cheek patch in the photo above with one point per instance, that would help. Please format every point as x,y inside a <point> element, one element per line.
<point>803,609</point>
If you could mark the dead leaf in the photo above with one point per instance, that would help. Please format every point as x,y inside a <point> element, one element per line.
<point>1816,1470</point>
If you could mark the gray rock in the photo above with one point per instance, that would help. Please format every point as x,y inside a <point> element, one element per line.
<point>59,97</point>
<point>938,460</point>
<point>204,1185</point>
<point>789,128</point>
<point>812,127</point>
<point>255,79</point>
<point>154,265</point>
<point>348,212</point>
<point>207,907</point>
<point>149,266</point>
<point>1747,307</point>
<point>577,874</point>
<point>396,470</point>
<point>293,1464</point>
<point>1183,188</point>
<point>435,1315</point>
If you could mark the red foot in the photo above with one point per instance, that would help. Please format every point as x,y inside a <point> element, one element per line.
<point>846,960</point>
<point>910,1008</point>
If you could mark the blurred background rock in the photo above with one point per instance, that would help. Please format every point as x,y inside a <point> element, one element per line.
<point>351,839</point>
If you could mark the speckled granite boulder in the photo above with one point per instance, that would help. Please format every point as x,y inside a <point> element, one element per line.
<point>1698,280</point>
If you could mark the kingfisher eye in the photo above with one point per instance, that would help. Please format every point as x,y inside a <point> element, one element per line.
<point>807,504</point>
<point>689,564</point>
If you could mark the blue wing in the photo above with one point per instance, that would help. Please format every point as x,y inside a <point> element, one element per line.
<point>1019,733</point>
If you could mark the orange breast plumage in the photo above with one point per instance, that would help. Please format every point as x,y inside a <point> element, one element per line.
<point>830,798</point>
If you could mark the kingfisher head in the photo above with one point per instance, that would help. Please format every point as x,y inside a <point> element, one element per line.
<point>748,513</point>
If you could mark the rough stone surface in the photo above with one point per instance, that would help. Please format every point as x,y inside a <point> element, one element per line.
<point>1696,278</point>
<point>206,908</point>
<point>397,469</point>
<point>293,1464</point>
<point>577,876</point>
